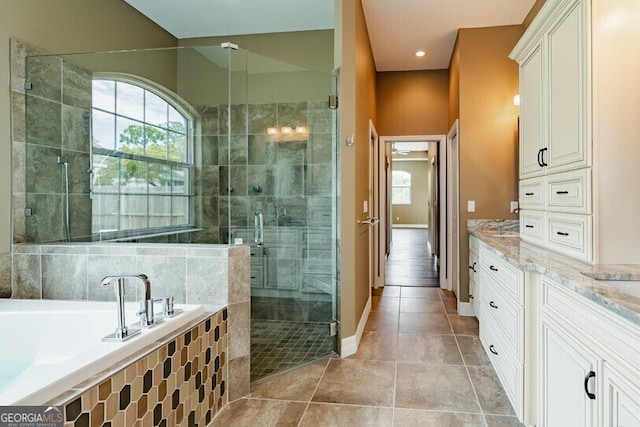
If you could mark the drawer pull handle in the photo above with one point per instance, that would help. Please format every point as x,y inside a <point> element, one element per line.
<point>562,233</point>
<point>492,350</point>
<point>473,267</point>
<point>253,277</point>
<point>562,192</point>
<point>493,304</point>
<point>492,268</point>
<point>529,194</point>
<point>590,375</point>
<point>470,296</point>
<point>529,226</point>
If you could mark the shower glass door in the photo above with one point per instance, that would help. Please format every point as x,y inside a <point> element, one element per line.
<point>281,197</point>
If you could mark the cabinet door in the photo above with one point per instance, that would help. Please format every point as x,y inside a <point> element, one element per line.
<point>532,135</point>
<point>621,399</point>
<point>564,366</point>
<point>567,92</point>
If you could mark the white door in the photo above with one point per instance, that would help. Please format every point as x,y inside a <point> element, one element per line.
<point>532,137</point>
<point>567,372</point>
<point>453,242</point>
<point>376,278</point>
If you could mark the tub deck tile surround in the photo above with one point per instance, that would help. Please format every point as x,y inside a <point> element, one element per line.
<point>183,381</point>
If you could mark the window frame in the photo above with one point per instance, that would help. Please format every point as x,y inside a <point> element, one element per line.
<point>189,162</point>
<point>394,188</point>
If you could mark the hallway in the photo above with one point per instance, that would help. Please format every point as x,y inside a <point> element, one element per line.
<point>410,262</point>
<point>418,364</point>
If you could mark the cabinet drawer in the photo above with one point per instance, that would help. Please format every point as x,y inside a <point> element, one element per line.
<point>508,369</point>
<point>569,192</point>
<point>506,314</point>
<point>570,234</point>
<point>532,193</point>
<point>532,226</point>
<point>508,277</point>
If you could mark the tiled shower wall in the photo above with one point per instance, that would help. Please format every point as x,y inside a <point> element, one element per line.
<point>194,274</point>
<point>5,276</point>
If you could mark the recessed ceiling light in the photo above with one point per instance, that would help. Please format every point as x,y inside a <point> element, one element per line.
<point>420,53</point>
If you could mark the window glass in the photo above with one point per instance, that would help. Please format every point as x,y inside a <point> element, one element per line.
<point>142,163</point>
<point>400,187</point>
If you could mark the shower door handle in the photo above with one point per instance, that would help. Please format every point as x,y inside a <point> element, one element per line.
<point>258,228</point>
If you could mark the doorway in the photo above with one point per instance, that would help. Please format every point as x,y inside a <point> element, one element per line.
<point>411,246</point>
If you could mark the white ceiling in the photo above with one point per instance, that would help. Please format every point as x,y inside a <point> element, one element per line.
<point>204,18</point>
<point>397,28</point>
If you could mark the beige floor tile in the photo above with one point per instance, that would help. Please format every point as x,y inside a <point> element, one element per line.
<point>418,323</point>
<point>450,305</point>
<point>430,348</point>
<point>298,384</point>
<point>357,382</point>
<point>322,414</point>
<point>263,413</point>
<point>417,292</point>
<point>420,305</point>
<point>464,325</point>
<point>377,346</point>
<point>382,321</point>
<point>492,397</point>
<point>500,421</point>
<point>472,351</point>
<point>435,387</point>
<point>387,291</point>
<point>390,304</point>
<point>415,417</point>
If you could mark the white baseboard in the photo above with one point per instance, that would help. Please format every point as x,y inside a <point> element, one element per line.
<point>465,309</point>
<point>410,225</point>
<point>349,345</point>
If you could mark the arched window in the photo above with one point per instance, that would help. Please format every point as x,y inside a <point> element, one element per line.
<point>142,160</point>
<point>400,187</point>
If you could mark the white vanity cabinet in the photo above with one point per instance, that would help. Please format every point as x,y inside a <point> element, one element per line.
<point>502,328</point>
<point>474,267</point>
<point>555,135</point>
<point>588,362</point>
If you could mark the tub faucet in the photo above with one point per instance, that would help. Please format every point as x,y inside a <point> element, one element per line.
<point>146,304</point>
<point>122,332</point>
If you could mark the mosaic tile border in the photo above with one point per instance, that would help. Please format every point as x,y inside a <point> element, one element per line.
<point>184,382</point>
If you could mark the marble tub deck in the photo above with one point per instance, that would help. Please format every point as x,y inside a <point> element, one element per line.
<point>573,274</point>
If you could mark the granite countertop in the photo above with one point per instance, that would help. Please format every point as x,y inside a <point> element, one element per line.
<point>502,238</point>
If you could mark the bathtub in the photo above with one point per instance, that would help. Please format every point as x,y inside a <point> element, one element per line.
<point>49,347</point>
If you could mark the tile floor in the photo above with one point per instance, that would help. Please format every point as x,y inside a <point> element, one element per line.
<point>419,364</point>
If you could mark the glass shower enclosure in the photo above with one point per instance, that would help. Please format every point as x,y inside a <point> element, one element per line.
<point>207,144</point>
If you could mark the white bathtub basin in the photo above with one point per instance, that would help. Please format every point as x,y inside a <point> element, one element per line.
<point>51,346</point>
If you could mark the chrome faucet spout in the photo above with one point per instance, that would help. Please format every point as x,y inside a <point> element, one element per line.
<point>146,316</point>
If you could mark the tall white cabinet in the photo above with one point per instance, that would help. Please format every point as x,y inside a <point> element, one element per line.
<point>555,137</point>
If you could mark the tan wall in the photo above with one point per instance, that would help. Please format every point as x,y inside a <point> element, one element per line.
<point>63,26</point>
<point>309,49</point>
<point>357,94</point>
<point>412,102</point>
<point>488,129</point>
<point>616,136</point>
<point>418,211</point>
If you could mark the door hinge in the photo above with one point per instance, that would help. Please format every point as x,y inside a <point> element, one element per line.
<point>333,102</point>
<point>333,329</point>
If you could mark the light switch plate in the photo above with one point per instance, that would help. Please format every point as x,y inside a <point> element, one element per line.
<point>513,206</point>
<point>471,205</point>
<point>365,206</point>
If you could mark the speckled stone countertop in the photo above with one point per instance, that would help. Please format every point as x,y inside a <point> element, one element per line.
<point>502,238</point>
